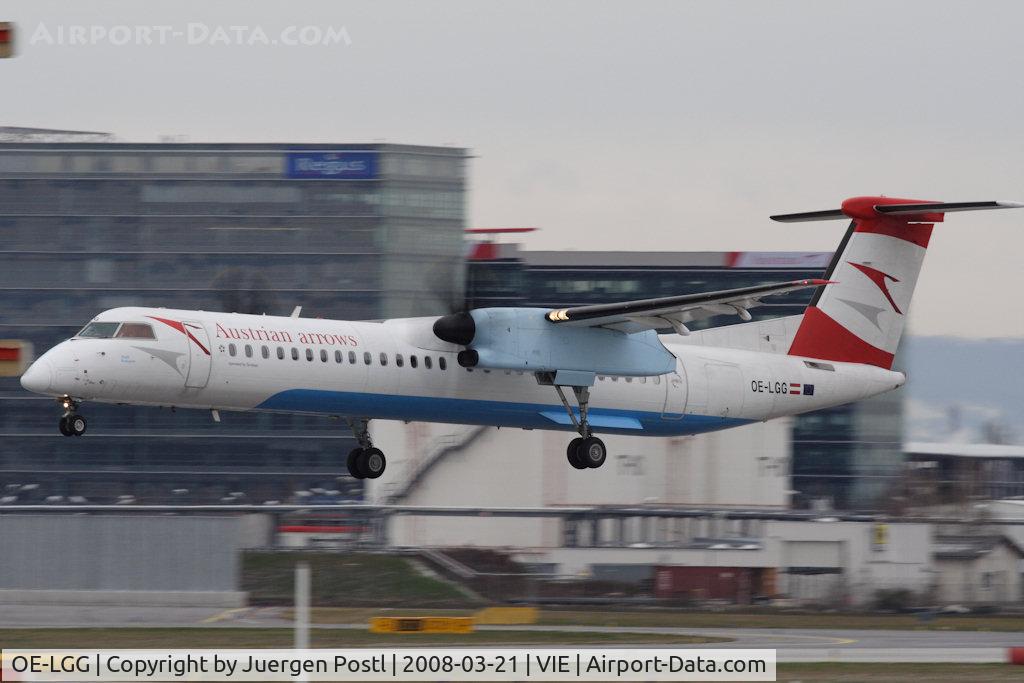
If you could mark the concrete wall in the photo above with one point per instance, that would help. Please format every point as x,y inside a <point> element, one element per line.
<point>744,467</point>
<point>992,578</point>
<point>129,554</point>
<point>904,561</point>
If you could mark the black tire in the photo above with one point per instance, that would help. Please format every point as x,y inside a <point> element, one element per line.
<point>64,427</point>
<point>353,463</point>
<point>592,452</point>
<point>572,453</point>
<point>372,463</point>
<point>77,425</point>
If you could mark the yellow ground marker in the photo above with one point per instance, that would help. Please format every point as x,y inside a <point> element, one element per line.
<point>421,624</point>
<point>507,616</point>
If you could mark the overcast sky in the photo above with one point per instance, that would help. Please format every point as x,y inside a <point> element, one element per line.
<point>611,126</point>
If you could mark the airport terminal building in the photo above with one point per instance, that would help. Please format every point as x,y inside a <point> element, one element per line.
<point>343,230</point>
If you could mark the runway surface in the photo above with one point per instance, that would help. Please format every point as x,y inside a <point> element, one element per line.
<point>792,644</point>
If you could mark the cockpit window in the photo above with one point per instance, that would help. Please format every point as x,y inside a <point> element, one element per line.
<point>98,330</point>
<point>135,331</point>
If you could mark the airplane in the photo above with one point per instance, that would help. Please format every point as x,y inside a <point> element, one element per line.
<point>632,368</point>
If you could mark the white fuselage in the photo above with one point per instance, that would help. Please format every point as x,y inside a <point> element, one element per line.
<point>398,370</point>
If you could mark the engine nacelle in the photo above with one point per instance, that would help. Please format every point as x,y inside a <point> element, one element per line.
<point>523,339</point>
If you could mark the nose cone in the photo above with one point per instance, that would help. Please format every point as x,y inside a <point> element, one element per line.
<point>39,377</point>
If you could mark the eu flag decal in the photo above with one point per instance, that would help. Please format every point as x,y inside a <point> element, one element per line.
<point>808,390</point>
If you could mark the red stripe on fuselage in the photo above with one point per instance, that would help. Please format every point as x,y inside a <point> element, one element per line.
<point>819,336</point>
<point>181,328</point>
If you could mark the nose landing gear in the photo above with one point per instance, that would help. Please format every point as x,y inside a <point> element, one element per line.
<point>71,423</point>
<point>364,462</point>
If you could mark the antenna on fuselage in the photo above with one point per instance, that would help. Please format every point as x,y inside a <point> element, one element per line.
<point>296,312</point>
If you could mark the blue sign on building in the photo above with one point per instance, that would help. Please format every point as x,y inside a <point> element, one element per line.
<point>332,165</point>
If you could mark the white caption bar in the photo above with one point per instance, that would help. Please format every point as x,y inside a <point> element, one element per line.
<point>380,664</point>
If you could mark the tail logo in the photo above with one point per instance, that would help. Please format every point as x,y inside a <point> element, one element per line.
<point>879,278</point>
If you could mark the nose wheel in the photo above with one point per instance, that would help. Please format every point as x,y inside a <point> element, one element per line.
<point>71,423</point>
<point>364,462</point>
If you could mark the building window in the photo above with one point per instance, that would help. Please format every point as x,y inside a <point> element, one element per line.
<point>280,353</point>
<point>427,363</point>
<point>399,361</point>
<point>232,350</point>
<point>309,355</point>
<point>265,352</point>
<point>295,353</point>
<point>412,361</point>
<point>352,357</point>
<point>442,363</point>
<point>383,359</point>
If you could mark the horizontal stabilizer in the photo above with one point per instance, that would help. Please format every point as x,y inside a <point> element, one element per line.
<point>897,209</point>
<point>944,207</point>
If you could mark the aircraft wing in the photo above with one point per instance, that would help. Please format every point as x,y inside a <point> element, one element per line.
<point>673,311</point>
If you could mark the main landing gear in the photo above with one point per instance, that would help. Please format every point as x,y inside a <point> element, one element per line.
<point>365,461</point>
<point>586,451</point>
<point>71,423</point>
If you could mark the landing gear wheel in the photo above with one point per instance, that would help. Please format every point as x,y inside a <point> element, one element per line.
<point>77,425</point>
<point>353,463</point>
<point>592,452</point>
<point>371,463</point>
<point>572,452</point>
<point>64,427</point>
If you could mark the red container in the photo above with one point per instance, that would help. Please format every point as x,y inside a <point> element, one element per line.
<point>735,584</point>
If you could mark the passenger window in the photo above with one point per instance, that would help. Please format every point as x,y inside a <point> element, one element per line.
<point>280,353</point>
<point>135,331</point>
<point>248,350</point>
<point>323,355</point>
<point>309,354</point>
<point>383,359</point>
<point>427,363</point>
<point>338,357</point>
<point>352,357</point>
<point>232,349</point>
<point>629,380</point>
<point>265,352</point>
<point>367,358</point>
<point>398,360</point>
<point>657,379</point>
<point>412,361</point>
<point>442,363</point>
<point>643,380</point>
<point>295,353</point>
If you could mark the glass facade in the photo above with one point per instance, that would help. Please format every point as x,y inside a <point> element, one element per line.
<point>345,231</point>
<point>849,457</point>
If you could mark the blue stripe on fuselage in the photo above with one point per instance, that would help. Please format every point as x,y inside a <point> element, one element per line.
<point>471,411</point>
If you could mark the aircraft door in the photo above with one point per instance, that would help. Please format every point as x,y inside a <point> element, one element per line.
<point>725,390</point>
<point>675,396</point>
<point>199,358</point>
